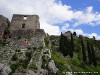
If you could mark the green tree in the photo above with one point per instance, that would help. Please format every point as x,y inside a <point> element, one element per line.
<point>61,43</point>
<point>89,53</point>
<point>74,33</point>
<point>72,46</point>
<point>93,56</point>
<point>64,45</point>
<point>83,51</point>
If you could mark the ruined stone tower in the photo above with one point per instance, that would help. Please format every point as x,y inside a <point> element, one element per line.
<point>4,22</point>
<point>25,26</point>
<point>22,22</point>
<point>20,26</point>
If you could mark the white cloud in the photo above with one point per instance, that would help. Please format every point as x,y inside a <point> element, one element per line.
<point>87,17</point>
<point>78,31</point>
<point>53,30</point>
<point>51,12</point>
<point>89,9</point>
<point>46,10</point>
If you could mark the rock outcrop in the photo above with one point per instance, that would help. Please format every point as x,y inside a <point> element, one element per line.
<point>4,69</point>
<point>51,68</point>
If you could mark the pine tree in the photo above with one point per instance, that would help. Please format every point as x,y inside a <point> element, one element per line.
<point>93,56</point>
<point>83,51</point>
<point>71,46</point>
<point>89,53</point>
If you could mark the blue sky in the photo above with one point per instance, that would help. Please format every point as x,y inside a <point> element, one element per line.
<point>80,5</point>
<point>56,16</point>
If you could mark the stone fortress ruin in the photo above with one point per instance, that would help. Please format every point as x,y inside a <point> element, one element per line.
<point>25,49</point>
<point>25,25</point>
<point>21,31</point>
<point>21,26</point>
<point>4,23</point>
<point>21,22</point>
<point>22,43</point>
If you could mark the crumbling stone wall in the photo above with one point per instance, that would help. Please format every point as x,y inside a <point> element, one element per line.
<point>22,33</point>
<point>21,22</point>
<point>55,39</point>
<point>4,22</point>
<point>28,33</point>
<point>68,34</point>
<point>39,32</point>
<point>25,27</point>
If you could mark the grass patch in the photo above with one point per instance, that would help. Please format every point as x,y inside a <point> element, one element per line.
<point>33,66</point>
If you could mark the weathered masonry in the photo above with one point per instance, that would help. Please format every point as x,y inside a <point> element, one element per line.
<point>21,26</point>
<point>21,22</point>
<point>25,26</point>
<point>22,29</point>
<point>4,23</point>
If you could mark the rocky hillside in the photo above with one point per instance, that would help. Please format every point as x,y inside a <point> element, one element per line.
<point>77,55</point>
<point>54,55</point>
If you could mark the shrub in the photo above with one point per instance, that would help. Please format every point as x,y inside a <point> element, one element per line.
<point>29,48</point>
<point>44,63</point>
<point>18,50</point>
<point>28,54</point>
<point>24,63</point>
<point>14,57</point>
<point>59,61</point>
<point>59,73</point>
<point>33,66</point>
<point>3,42</point>
<point>14,67</point>
<point>19,37</point>
<point>46,39</point>
<point>0,42</point>
<point>75,61</point>
<point>41,47</point>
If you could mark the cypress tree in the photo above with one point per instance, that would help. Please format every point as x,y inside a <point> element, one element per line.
<point>83,51</point>
<point>89,53</point>
<point>61,43</point>
<point>66,46</point>
<point>74,33</point>
<point>93,56</point>
<point>71,46</point>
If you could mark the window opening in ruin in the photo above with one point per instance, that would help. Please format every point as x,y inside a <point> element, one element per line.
<point>23,25</point>
<point>25,18</point>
